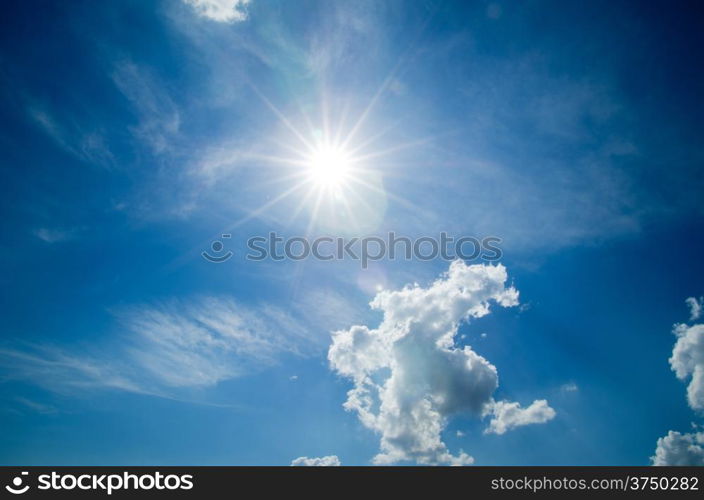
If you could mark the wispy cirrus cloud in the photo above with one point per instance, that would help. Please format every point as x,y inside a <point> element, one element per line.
<point>34,406</point>
<point>59,370</point>
<point>89,146</point>
<point>213,339</point>
<point>167,347</point>
<point>159,119</point>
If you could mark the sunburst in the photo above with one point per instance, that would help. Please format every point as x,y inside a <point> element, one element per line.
<point>334,171</point>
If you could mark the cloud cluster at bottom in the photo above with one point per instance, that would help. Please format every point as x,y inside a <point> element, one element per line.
<point>680,449</point>
<point>328,461</point>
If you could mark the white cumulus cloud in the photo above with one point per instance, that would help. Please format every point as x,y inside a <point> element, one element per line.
<point>687,360</point>
<point>409,375</point>
<point>508,415</point>
<point>680,449</point>
<point>328,461</point>
<point>223,11</point>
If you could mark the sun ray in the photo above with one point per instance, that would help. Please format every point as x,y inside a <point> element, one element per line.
<point>397,198</point>
<point>281,117</point>
<point>299,208</point>
<point>394,149</point>
<point>266,206</point>
<point>360,200</point>
<point>314,214</point>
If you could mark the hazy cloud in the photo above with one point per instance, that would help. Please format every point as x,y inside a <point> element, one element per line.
<point>569,387</point>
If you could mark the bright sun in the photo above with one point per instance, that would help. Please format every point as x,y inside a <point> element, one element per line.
<point>329,167</point>
<point>335,168</point>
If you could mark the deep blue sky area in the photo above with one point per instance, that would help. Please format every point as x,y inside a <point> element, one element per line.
<point>134,134</point>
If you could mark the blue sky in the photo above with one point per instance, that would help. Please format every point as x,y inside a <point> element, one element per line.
<point>136,133</point>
